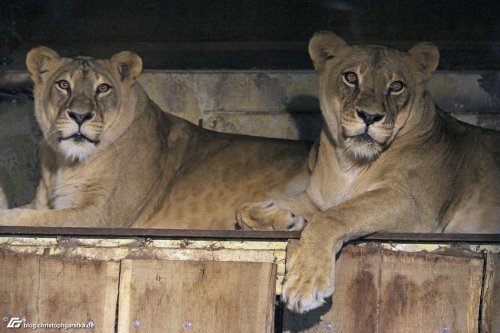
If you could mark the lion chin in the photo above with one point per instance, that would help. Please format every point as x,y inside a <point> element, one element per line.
<point>77,149</point>
<point>362,148</point>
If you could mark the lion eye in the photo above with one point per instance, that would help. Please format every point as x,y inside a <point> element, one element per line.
<point>63,84</point>
<point>350,78</point>
<point>103,88</point>
<point>396,86</point>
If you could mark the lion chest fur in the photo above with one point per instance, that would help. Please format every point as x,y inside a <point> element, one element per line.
<point>67,190</point>
<point>334,179</point>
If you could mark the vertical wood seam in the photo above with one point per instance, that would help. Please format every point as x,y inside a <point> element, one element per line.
<point>272,294</point>
<point>117,309</point>
<point>485,288</point>
<point>124,295</point>
<point>38,288</point>
<point>379,286</point>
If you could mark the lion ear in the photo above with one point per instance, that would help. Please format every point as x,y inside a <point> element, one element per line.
<point>41,60</point>
<point>323,46</point>
<point>425,56</point>
<point>128,65</point>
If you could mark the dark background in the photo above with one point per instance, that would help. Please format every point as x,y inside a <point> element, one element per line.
<point>246,34</point>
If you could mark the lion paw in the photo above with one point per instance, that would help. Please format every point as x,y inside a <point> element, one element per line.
<point>307,283</point>
<point>268,216</point>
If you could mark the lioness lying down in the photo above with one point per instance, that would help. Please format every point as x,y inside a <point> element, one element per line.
<point>388,160</point>
<point>112,158</point>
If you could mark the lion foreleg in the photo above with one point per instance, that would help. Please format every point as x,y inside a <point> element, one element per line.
<point>311,268</point>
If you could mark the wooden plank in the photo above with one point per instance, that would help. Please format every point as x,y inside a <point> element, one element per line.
<point>423,292</point>
<point>19,287</point>
<point>207,296</point>
<point>58,290</point>
<point>235,234</point>
<point>490,314</point>
<point>385,291</point>
<point>355,300</point>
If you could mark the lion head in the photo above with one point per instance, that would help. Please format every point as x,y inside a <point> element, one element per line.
<point>367,92</point>
<point>81,103</point>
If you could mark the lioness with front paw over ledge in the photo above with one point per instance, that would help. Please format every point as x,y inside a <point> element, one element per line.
<point>112,158</point>
<point>388,160</point>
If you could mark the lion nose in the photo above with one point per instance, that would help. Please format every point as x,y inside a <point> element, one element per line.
<point>369,118</point>
<point>80,118</point>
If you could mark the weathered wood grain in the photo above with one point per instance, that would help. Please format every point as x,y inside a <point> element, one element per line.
<point>385,291</point>
<point>424,292</point>
<point>58,290</point>
<point>355,302</point>
<point>208,296</point>
<point>490,314</point>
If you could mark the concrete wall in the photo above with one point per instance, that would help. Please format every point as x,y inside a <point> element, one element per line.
<point>19,142</point>
<point>284,104</point>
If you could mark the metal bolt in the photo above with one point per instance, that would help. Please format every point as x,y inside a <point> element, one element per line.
<point>136,324</point>
<point>445,329</point>
<point>329,326</point>
<point>90,323</point>
<point>187,325</point>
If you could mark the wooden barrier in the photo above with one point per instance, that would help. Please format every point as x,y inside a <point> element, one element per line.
<point>45,289</point>
<point>196,296</point>
<point>379,290</point>
<point>121,280</point>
